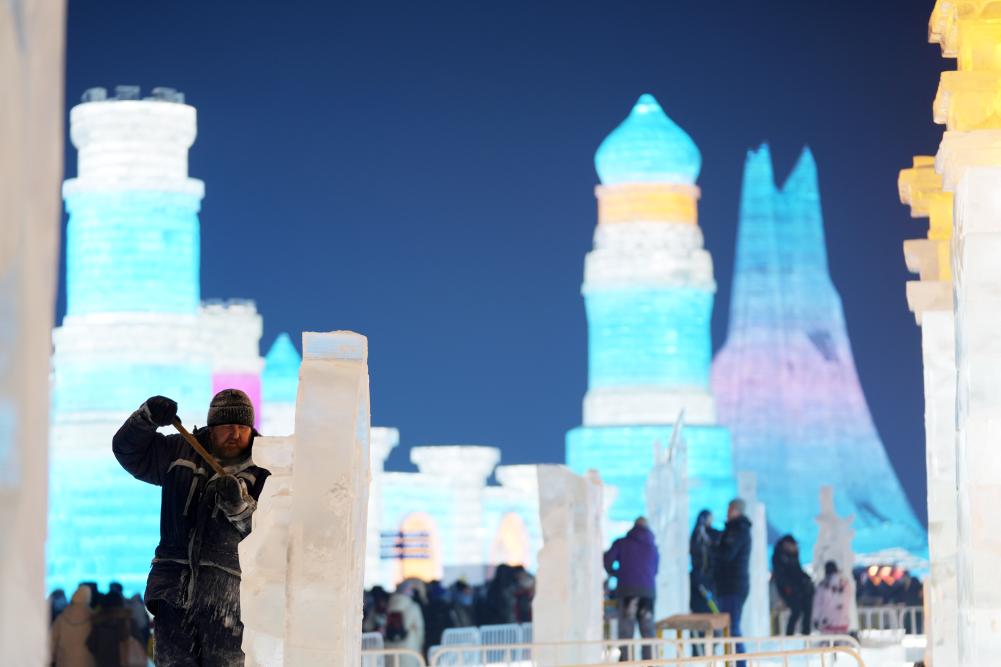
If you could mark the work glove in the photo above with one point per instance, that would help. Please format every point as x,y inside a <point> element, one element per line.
<point>159,410</point>
<point>229,495</point>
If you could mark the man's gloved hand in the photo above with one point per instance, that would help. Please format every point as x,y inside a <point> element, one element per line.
<point>160,410</point>
<point>230,495</point>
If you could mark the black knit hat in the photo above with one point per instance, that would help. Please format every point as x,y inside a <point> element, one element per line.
<point>231,406</point>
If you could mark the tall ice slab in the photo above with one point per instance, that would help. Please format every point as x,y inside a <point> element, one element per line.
<point>31,74</point>
<point>304,561</point>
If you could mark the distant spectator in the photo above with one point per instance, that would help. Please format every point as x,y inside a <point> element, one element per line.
<point>140,618</point>
<point>375,611</point>
<point>636,590</point>
<point>68,636</point>
<point>793,584</point>
<point>112,640</point>
<point>437,614</point>
<point>500,601</point>
<point>462,596</point>
<point>404,619</point>
<point>95,594</point>
<point>733,581</point>
<point>832,602</point>
<point>524,593</point>
<point>57,603</point>
<point>702,549</point>
<point>907,590</point>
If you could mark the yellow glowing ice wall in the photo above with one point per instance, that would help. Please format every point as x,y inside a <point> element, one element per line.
<point>968,103</point>
<point>930,299</point>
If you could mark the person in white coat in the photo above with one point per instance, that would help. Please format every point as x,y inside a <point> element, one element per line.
<point>405,620</point>
<point>69,633</point>
<point>832,602</point>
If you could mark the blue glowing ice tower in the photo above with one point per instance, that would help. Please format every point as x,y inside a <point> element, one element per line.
<point>648,291</point>
<point>131,327</point>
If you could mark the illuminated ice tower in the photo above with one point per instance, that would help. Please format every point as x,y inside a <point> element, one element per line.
<point>785,380</point>
<point>648,291</point>
<point>134,326</point>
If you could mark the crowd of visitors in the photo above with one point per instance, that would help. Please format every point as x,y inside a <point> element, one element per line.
<point>417,613</point>
<point>97,629</point>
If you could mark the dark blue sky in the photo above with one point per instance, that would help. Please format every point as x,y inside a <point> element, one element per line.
<point>422,173</point>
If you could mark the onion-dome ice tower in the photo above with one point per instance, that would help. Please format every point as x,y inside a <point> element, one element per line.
<point>785,380</point>
<point>648,292</point>
<point>134,326</point>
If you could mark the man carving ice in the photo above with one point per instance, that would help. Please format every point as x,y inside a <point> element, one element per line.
<point>193,589</point>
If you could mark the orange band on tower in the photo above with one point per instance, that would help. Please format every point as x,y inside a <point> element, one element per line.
<point>642,202</point>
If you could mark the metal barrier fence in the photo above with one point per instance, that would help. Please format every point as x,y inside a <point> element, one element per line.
<point>371,641</point>
<point>812,657</point>
<point>607,650</point>
<point>898,618</point>
<point>907,620</point>
<point>391,657</point>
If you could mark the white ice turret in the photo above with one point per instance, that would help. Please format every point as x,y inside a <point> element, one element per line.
<point>466,469</point>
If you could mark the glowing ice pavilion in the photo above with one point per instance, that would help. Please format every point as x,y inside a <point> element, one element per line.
<point>648,292</point>
<point>134,326</point>
<point>786,382</point>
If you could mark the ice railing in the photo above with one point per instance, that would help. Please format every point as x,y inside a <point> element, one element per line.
<point>391,657</point>
<point>605,651</point>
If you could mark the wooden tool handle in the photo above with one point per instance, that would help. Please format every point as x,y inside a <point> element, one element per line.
<point>197,446</point>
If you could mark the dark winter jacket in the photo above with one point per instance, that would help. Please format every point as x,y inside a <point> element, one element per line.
<point>702,548</point>
<point>793,584</point>
<point>638,560</point>
<point>195,532</point>
<point>733,558</point>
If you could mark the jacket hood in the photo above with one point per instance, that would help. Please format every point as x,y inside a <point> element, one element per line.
<point>641,534</point>
<point>78,611</point>
<point>81,596</point>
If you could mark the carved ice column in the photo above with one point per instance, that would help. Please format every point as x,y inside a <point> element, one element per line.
<point>303,563</point>
<point>834,542</point>
<point>667,513</point>
<point>31,131</point>
<point>969,160</point>
<point>930,299</point>
<point>568,595</point>
<point>328,531</point>
<point>756,619</point>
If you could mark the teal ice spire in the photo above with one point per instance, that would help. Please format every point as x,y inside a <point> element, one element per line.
<point>280,379</point>
<point>648,147</point>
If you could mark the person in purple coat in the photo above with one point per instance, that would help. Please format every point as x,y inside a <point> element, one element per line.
<point>633,561</point>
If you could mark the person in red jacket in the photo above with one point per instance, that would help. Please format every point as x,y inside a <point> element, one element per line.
<point>193,589</point>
